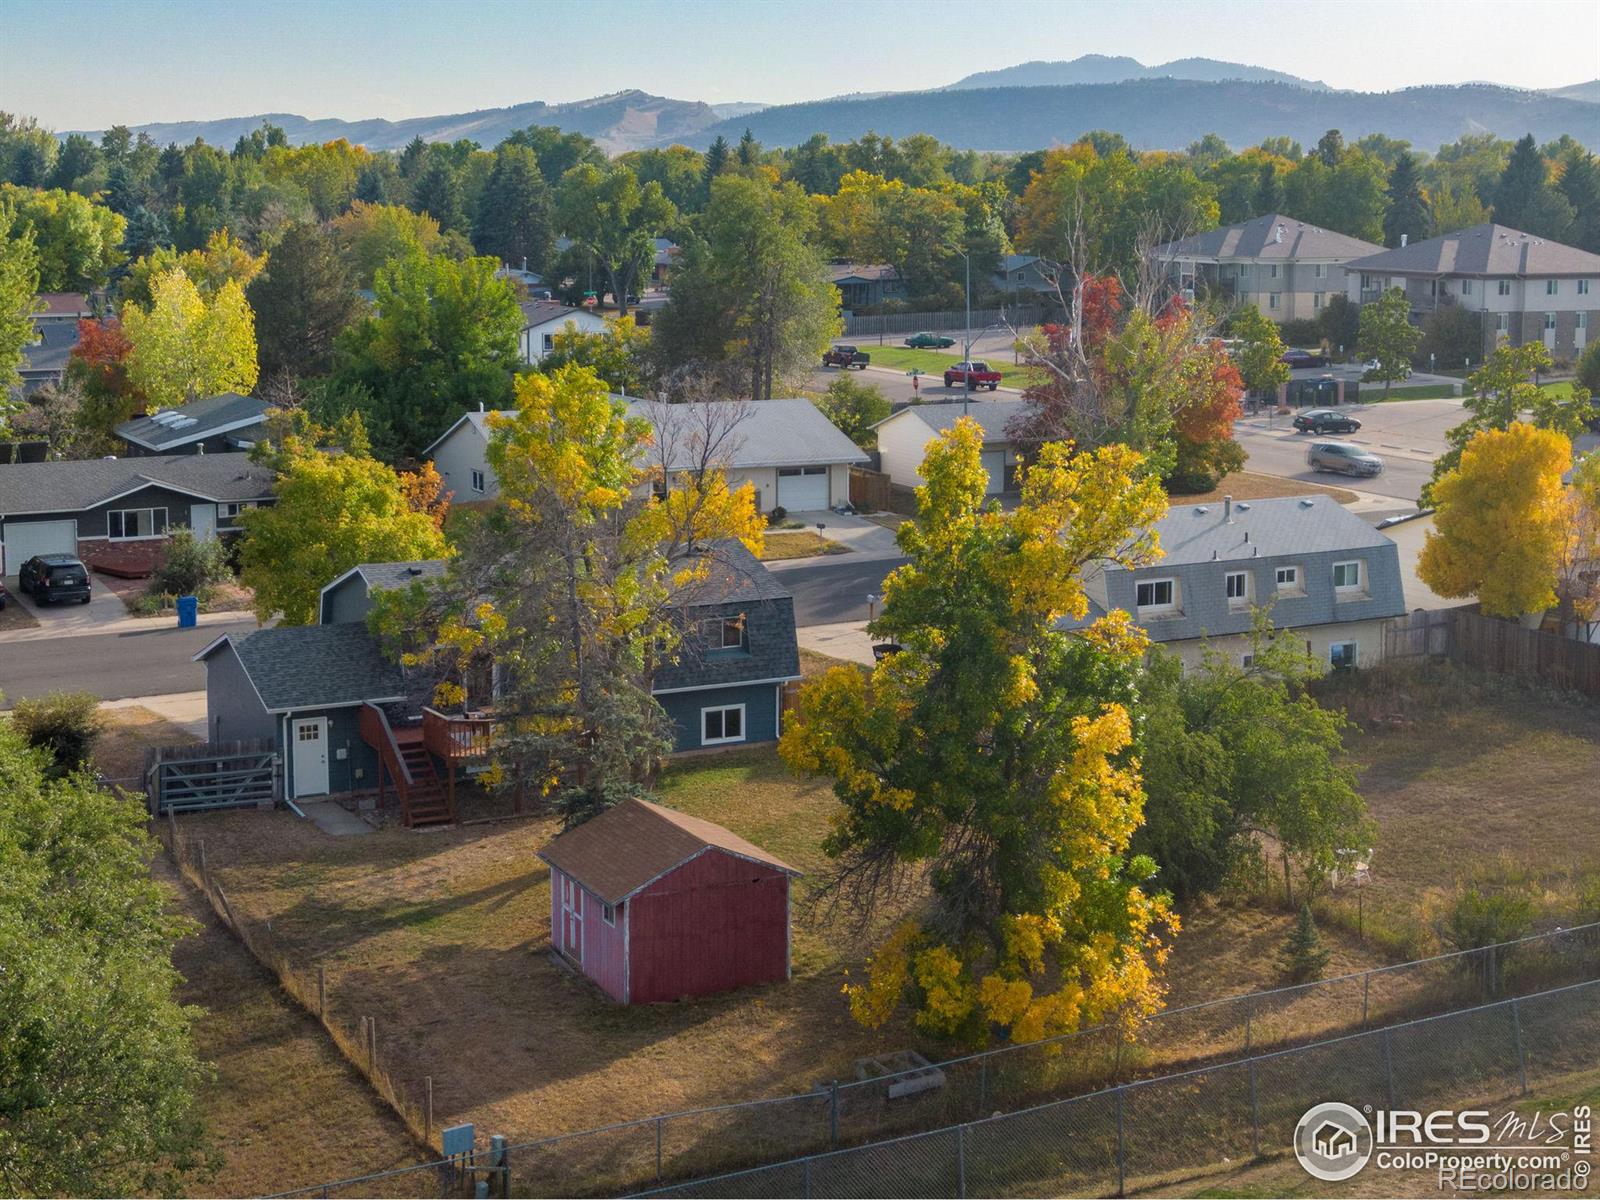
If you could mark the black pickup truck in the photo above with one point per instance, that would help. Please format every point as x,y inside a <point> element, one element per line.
<point>846,357</point>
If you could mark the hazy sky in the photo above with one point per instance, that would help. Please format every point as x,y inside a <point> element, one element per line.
<point>90,63</point>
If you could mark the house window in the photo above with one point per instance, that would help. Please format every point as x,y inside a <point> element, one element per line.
<point>549,342</point>
<point>1549,321</point>
<point>1583,287</point>
<point>1247,660</point>
<point>1366,283</point>
<point>1502,324</point>
<point>1342,656</point>
<point>1238,587</point>
<point>1347,576</point>
<point>478,482</point>
<point>719,725</point>
<point>1583,320</point>
<point>1156,595</point>
<point>1272,299</point>
<point>1320,271</point>
<point>1552,287</point>
<point>1288,579</point>
<point>1317,299</point>
<point>608,913</point>
<point>127,524</point>
<point>1466,287</point>
<point>725,633</point>
<point>1504,287</point>
<point>229,511</point>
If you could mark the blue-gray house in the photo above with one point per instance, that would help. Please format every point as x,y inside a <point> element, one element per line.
<point>1327,574</point>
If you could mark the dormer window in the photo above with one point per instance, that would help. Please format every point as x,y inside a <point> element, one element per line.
<point>1237,586</point>
<point>1154,597</point>
<point>725,633</point>
<point>1347,578</point>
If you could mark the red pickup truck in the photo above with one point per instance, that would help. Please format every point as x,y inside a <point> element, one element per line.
<point>973,375</point>
<point>846,357</point>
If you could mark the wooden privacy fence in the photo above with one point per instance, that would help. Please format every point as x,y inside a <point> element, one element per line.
<point>242,774</point>
<point>1466,636</point>
<point>869,490</point>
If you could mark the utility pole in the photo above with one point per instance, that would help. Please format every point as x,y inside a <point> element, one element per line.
<point>966,351</point>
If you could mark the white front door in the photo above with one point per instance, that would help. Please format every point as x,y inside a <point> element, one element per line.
<point>571,918</point>
<point>310,750</point>
<point>203,520</point>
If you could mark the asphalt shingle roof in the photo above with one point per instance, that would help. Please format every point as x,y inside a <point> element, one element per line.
<point>192,422</point>
<point>51,352</point>
<point>542,312</point>
<point>767,433</point>
<point>1192,533</point>
<point>1258,238</point>
<point>991,415</point>
<point>387,575</point>
<point>317,666</point>
<point>83,483</point>
<point>1483,250</point>
<point>627,847</point>
<point>735,576</point>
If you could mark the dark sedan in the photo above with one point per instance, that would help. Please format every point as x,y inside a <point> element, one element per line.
<point>1295,359</point>
<point>1325,420</point>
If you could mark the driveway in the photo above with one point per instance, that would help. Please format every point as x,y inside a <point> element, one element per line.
<point>866,539</point>
<point>64,620</point>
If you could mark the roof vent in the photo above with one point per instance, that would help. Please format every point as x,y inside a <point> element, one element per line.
<point>1404,238</point>
<point>1243,507</point>
<point>1213,556</point>
<point>1255,551</point>
<point>1277,234</point>
<point>1306,502</point>
<point>1227,509</point>
<point>413,570</point>
<point>1200,508</point>
<point>1246,537</point>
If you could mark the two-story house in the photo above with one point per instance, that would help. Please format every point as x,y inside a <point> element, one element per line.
<point>1326,574</point>
<point>1523,288</point>
<point>1285,267</point>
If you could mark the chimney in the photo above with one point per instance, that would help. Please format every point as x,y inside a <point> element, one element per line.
<point>1404,238</point>
<point>1246,537</point>
<point>480,405</point>
<point>1227,510</point>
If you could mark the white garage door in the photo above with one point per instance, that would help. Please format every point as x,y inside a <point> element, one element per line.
<point>25,539</point>
<point>803,489</point>
<point>994,462</point>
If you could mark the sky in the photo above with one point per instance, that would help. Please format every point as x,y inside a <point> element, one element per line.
<point>85,64</point>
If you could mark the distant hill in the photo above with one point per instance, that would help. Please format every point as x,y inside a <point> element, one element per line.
<point>1102,68</point>
<point>1589,92</point>
<point>622,121</point>
<point>1168,114</point>
<point>736,108</point>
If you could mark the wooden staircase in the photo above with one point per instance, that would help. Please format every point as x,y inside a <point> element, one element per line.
<point>404,758</point>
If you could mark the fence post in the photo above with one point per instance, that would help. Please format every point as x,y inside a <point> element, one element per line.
<point>1388,1068</point>
<point>658,1149</point>
<point>500,1155</point>
<point>983,1085</point>
<point>1122,1150</point>
<point>1255,1115</point>
<point>1522,1057</point>
<point>1249,1019</point>
<point>427,1110</point>
<point>961,1162</point>
<point>833,1115</point>
<point>1366,990</point>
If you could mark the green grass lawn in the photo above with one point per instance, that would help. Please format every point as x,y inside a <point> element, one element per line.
<point>1425,391</point>
<point>933,363</point>
<point>1562,390</point>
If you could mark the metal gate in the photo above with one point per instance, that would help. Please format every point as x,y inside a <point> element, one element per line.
<point>245,774</point>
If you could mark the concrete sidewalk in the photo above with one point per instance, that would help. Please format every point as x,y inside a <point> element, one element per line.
<point>847,641</point>
<point>86,623</point>
<point>186,709</point>
<point>866,539</point>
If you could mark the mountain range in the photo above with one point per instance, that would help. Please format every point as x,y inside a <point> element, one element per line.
<point>1021,107</point>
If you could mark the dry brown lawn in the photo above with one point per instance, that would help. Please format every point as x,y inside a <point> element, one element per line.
<point>1250,485</point>
<point>125,735</point>
<point>806,543</point>
<point>15,614</point>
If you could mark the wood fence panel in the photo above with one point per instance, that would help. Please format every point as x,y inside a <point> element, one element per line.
<point>1466,636</point>
<point>869,490</point>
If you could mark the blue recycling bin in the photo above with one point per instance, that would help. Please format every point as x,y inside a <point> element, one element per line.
<point>188,611</point>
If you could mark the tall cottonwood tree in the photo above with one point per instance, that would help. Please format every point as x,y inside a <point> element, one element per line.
<point>19,282</point>
<point>614,220</point>
<point>992,756</point>
<point>187,345</point>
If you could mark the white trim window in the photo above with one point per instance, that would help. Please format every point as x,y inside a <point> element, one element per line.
<point>1237,586</point>
<point>1552,287</point>
<point>1347,576</point>
<point>1342,656</point>
<point>1503,287</point>
<point>1320,271</point>
<point>1272,300</point>
<point>1502,324</point>
<point>1287,579</point>
<point>608,914</point>
<point>1318,299</point>
<point>1156,595</point>
<point>1466,287</point>
<point>1583,287</point>
<point>231,509</point>
<point>1549,321</point>
<point>136,524</point>
<point>724,633</point>
<point>549,342</point>
<point>479,483</point>
<point>720,726</point>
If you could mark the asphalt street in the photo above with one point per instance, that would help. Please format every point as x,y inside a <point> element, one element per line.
<point>114,666</point>
<point>835,589</point>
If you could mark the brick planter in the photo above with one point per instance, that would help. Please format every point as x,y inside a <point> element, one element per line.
<point>126,560</point>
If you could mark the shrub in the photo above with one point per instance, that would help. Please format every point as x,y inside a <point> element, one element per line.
<point>192,566</point>
<point>1451,336</point>
<point>1480,918</point>
<point>778,515</point>
<point>1589,368</point>
<point>1304,956</point>
<point>1303,332</point>
<point>65,725</point>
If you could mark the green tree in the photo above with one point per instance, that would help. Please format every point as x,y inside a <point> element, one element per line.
<point>1580,187</point>
<point>855,407</point>
<point>19,283</point>
<point>1330,148</point>
<point>331,512</point>
<point>442,342</point>
<point>223,257</point>
<point>302,303</point>
<point>1588,368</point>
<point>1451,337</point>
<point>751,298</point>
<point>1521,185</point>
<point>1260,352</point>
<point>513,221</point>
<point>373,235</point>
<point>186,346</point>
<point>615,221</point>
<point>99,1067</point>
<point>992,756</point>
<point>78,242</point>
<point>1405,214</point>
<point>1304,957</point>
<point>1388,338</point>
<point>556,151</point>
<point>1340,323</point>
<point>619,355</point>
<point>438,194</point>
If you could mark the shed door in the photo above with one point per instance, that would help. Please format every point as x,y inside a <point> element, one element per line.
<point>310,756</point>
<point>803,489</point>
<point>24,539</point>
<point>994,462</point>
<point>571,919</point>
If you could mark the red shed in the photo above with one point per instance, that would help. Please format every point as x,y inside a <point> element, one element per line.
<point>656,905</point>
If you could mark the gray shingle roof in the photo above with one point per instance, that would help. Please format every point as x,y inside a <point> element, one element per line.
<point>992,415</point>
<point>1258,238</point>
<point>542,312</point>
<point>193,422</point>
<point>735,576</point>
<point>1288,525</point>
<point>386,575</point>
<point>871,272</point>
<point>316,666</point>
<point>1483,250</point>
<point>48,356</point>
<point>768,433</point>
<point>77,485</point>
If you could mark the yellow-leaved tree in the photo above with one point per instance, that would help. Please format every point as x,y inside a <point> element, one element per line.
<point>991,756</point>
<point>1500,524</point>
<point>187,345</point>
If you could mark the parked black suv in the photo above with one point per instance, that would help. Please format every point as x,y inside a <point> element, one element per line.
<point>48,577</point>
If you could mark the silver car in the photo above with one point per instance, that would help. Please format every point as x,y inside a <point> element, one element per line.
<point>1344,458</point>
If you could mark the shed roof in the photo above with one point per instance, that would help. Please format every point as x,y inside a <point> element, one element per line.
<point>1272,236</point>
<point>1487,249</point>
<point>838,272</point>
<point>993,416</point>
<point>296,667</point>
<point>625,849</point>
<point>194,422</point>
<point>78,484</point>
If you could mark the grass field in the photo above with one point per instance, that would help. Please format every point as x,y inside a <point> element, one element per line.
<point>804,544</point>
<point>1425,391</point>
<point>932,363</point>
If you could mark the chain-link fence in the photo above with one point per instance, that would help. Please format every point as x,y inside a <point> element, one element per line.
<point>1166,1129</point>
<point>701,1142</point>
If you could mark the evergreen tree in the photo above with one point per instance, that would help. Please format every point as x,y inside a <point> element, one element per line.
<point>1520,184</point>
<point>1304,955</point>
<point>716,161</point>
<point>749,149</point>
<point>438,193</point>
<point>1406,208</point>
<point>371,186</point>
<point>414,157</point>
<point>1330,148</point>
<point>1267,191</point>
<point>513,222</point>
<point>1580,187</point>
<point>305,299</point>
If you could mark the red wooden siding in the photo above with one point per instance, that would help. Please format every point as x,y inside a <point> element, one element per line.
<point>716,923</point>
<point>603,954</point>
